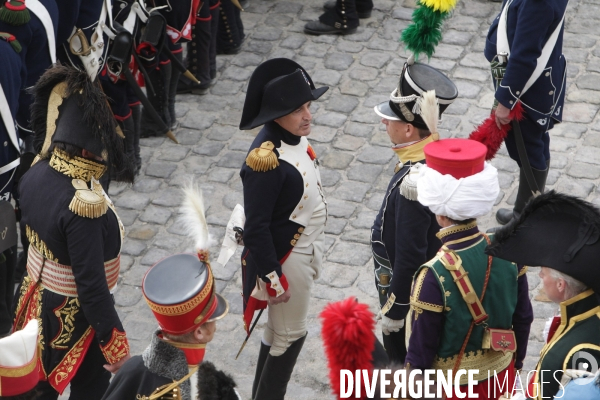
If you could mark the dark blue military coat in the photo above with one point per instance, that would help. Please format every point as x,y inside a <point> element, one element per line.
<point>404,235</point>
<point>529,25</point>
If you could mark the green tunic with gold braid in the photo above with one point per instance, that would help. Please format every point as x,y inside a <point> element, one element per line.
<point>574,345</point>
<point>440,316</point>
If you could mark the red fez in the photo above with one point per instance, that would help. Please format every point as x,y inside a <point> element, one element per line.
<point>457,157</point>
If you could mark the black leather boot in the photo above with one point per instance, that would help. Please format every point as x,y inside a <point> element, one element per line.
<point>230,30</point>
<point>524,193</point>
<point>341,20</point>
<point>159,99</point>
<point>277,373</point>
<point>363,7</point>
<point>262,357</point>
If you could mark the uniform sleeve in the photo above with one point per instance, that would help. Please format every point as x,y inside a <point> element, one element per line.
<point>261,191</point>
<point>522,317</point>
<point>427,321</point>
<point>85,242</point>
<point>535,19</point>
<point>412,225</point>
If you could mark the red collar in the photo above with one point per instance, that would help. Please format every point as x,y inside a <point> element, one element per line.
<point>194,353</point>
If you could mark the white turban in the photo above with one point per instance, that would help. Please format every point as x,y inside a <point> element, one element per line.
<point>458,199</point>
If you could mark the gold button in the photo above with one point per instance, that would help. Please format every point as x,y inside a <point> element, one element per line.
<point>300,208</point>
<point>297,164</point>
<point>297,236</point>
<point>294,216</point>
<point>293,242</point>
<point>305,196</point>
<point>304,173</point>
<point>547,73</point>
<point>307,184</point>
<point>244,262</point>
<point>274,285</point>
<point>301,229</point>
<point>551,92</point>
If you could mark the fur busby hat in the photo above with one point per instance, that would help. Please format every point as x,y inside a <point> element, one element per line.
<point>69,108</point>
<point>557,231</point>
<point>422,95</point>
<point>276,88</point>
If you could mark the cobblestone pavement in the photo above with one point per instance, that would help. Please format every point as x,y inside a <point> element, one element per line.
<point>361,70</point>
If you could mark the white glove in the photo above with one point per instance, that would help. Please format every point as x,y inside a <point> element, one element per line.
<point>389,325</point>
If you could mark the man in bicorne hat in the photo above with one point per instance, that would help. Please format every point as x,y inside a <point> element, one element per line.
<point>561,234</point>
<point>75,236</point>
<point>403,233</point>
<point>468,310</point>
<point>180,290</point>
<point>285,217</point>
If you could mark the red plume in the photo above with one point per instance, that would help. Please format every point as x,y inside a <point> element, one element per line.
<point>490,135</point>
<point>348,337</point>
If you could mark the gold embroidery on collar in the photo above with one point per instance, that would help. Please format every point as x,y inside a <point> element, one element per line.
<point>414,152</point>
<point>455,229</point>
<point>76,167</point>
<point>39,244</point>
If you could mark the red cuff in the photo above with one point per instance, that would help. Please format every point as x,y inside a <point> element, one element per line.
<point>278,285</point>
<point>116,348</point>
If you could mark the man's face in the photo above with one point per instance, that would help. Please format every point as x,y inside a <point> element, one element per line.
<point>398,131</point>
<point>298,121</point>
<point>551,285</point>
<point>207,331</point>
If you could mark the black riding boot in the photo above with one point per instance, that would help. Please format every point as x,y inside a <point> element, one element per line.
<point>230,30</point>
<point>340,20</point>
<point>159,99</point>
<point>277,373</point>
<point>262,357</point>
<point>363,7</point>
<point>524,193</point>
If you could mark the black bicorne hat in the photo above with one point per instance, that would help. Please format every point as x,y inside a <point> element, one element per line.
<point>416,79</point>
<point>69,108</point>
<point>276,88</point>
<point>557,231</point>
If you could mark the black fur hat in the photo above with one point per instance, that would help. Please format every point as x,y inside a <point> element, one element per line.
<point>214,384</point>
<point>69,108</point>
<point>557,231</point>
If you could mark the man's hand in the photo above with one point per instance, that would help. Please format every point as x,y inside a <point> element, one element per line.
<point>113,368</point>
<point>502,115</point>
<point>389,325</point>
<point>284,298</point>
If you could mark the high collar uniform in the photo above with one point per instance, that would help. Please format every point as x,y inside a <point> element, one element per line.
<point>439,318</point>
<point>403,237</point>
<point>577,332</point>
<point>73,266</point>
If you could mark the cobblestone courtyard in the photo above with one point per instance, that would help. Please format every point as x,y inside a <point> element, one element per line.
<point>361,70</point>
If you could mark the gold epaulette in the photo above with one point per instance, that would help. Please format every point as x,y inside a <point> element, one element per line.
<point>523,271</point>
<point>263,159</point>
<point>88,203</point>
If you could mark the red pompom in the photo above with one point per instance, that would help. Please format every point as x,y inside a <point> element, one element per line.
<point>348,337</point>
<point>490,135</point>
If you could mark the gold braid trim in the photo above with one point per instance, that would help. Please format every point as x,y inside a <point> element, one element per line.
<point>76,167</point>
<point>39,244</point>
<point>187,306</point>
<point>168,391</point>
<point>455,229</point>
<point>416,303</point>
<point>263,159</point>
<point>482,360</point>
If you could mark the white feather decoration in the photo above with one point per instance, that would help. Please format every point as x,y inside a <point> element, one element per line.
<point>430,110</point>
<point>193,218</point>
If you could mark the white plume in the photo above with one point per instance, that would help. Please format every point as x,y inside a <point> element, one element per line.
<point>430,110</point>
<point>193,218</point>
